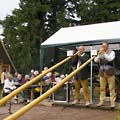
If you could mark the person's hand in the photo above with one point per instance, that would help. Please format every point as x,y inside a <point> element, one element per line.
<point>79,53</point>
<point>101,51</point>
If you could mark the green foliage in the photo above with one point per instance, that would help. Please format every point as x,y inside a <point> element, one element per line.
<point>30,25</point>
<point>36,20</point>
<point>97,11</point>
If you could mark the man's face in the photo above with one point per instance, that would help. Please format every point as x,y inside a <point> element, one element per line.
<point>11,78</point>
<point>105,46</point>
<point>19,76</point>
<point>26,77</point>
<point>81,49</point>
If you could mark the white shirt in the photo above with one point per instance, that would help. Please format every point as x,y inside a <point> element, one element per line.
<point>109,56</point>
<point>79,62</point>
<point>4,76</point>
<point>8,84</point>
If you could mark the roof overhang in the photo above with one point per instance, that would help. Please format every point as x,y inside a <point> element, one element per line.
<point>85,34</point>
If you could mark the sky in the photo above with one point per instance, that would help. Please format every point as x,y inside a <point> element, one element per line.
<point>6,8</point>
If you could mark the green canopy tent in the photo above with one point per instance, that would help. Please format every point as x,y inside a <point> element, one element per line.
<point>89,35</point>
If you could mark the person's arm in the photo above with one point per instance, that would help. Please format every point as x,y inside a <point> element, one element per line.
<point>110,57</point>
<point>97,59</point>
<point>13,85</point>
<point>2,78</point>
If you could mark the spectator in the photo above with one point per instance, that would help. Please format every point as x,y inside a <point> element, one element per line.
<point>5,74</point>
<point>9,85</point>
<point>19,80</point>
<point>15,77</point>
<point>26,91</point>
<point>57,77</point>
<point>31,74</point>
<point>35,74</point>
<point>37,89</point>
<point>18,83</point>
<point>47,77</point>
<point>26,79</point>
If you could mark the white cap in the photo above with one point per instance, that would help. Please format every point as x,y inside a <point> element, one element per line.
<point>32,71</point>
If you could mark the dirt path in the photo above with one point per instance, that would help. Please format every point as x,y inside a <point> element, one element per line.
<point>60,113</point>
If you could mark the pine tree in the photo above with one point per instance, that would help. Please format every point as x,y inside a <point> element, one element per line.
<point>29,26</point>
